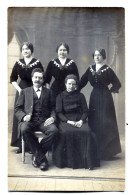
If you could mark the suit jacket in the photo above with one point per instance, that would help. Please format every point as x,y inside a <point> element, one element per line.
<point>24,105</point>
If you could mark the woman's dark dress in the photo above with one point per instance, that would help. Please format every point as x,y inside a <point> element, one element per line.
<point>59,72</point>
<point>24,73</point>
<point>73,144</point>
<point>102,117</point>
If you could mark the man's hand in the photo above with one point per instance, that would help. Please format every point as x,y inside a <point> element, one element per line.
<point>49,121</point>
<point>27,118</point>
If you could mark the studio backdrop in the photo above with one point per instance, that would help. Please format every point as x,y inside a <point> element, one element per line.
<point>83,29</point>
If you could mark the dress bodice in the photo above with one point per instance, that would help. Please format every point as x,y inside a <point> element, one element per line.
<point>24,71</point>
<point>58,72</point>
<point>100,79</point>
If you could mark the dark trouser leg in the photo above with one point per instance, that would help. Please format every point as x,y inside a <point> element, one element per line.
<point>50,132</point>
<point>27,130</point>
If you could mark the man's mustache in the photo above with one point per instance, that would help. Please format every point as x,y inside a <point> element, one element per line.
<point>37,82</point>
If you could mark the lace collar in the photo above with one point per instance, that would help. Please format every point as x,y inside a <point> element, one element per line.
<point>29,65</point>
<point>100,71</point>
<point>60,66</point>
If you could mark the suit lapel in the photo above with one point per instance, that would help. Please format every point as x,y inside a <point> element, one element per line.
<point>29,100</point>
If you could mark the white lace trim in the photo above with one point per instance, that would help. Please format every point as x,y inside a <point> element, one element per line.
<point>58,65</point>
<point>30,65</point>
<point>93,71</point>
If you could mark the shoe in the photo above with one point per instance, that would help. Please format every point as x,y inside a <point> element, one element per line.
<point>44,165</point>
<point>34,162</point>
<point>29,152</point>
<point>19,151</point>
<point>90,168</point>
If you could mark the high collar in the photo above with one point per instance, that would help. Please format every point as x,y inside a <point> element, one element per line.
<point>71,92</point>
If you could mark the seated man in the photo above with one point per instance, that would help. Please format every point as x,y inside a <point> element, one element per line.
<point>34,113</point>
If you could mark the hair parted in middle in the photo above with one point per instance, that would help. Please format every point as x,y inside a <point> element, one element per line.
<point>101,51</point>
<point>71,76</point>
<point>64,44</point>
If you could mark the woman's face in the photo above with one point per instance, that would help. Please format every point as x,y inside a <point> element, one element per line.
<point>98,58</point>
<point>62,52</point>
<point>26,52</point>
<point>71,85</point>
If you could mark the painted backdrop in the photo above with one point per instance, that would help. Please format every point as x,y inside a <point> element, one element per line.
<point>84,29</point>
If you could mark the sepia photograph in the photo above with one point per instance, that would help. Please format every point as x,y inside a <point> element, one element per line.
<point>66,99</point>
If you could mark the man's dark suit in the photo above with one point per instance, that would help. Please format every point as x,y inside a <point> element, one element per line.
<point>27,104</point>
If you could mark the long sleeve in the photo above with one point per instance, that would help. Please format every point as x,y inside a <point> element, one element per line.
<point>84,80</point>
<point>83,107</point>
<point>59,109</point>
<point>14,74</point>
<point>116,85</point>
<point>75,70</point>
<point>19,108</point>
<point>52,106</point>
<point>41,66</point>
<point>48,73</point>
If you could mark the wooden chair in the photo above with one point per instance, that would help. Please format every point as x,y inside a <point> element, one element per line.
<point>38,134</point>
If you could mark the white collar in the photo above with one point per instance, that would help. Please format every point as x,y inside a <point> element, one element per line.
<point>62,60</point>
<point>98,66</point>
<point>35,88</point>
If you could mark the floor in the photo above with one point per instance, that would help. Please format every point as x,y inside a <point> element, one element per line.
<point>24,177</point>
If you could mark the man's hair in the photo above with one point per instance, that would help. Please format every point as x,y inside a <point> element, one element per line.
<point>36,70</point>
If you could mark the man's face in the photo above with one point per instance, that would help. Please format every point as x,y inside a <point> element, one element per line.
<point>37,79</point>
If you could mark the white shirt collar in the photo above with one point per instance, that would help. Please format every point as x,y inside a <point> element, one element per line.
<point>35,88</point>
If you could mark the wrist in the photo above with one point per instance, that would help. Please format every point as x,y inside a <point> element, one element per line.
<point>53,117</point>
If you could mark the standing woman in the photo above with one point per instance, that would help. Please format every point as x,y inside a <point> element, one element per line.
<point>58,69</point>
<point>102,117</point>
<point>22,69</point>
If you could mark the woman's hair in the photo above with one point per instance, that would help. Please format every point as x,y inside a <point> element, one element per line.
<point>101,51</point>
<point>71,76</point>
<point>65,45</point>
<point>36,70</point>
<point>29,45</point>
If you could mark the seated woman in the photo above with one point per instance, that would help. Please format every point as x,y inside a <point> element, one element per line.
<point>75,145</point>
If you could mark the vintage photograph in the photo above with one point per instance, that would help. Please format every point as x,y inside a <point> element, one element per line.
<point>66,99</point>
